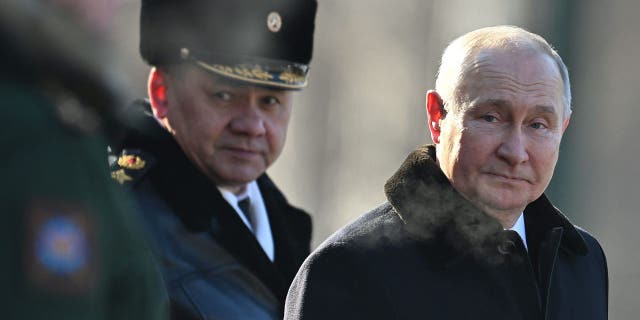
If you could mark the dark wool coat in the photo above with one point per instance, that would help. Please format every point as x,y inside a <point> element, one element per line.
<point>213,266</point>
<point>429,254</point>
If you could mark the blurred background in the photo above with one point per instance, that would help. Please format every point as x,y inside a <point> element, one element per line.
<point>363,111</point>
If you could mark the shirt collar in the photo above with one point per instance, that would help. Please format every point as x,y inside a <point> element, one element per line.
<point>520,229</point>
<point>233,198</point>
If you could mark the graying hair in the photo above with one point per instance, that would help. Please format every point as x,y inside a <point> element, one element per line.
<point>459,54</point>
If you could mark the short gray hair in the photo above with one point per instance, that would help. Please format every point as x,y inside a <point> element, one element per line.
<point>459,54</point>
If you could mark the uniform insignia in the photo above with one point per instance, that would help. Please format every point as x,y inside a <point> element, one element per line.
<point>274,22</point>
<point>289,77</point>
<point>120,176</point>
<point>61,245</point>
<point>131,165</point>
<point>130,161</point>
<point>60,251</point>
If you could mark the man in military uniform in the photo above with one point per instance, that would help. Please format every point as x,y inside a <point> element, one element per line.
<point>70,249</point>
<point>195,154</point>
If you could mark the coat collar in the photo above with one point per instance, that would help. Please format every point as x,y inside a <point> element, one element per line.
<point>425,201</point>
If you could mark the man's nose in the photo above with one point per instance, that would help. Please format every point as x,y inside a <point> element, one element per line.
<point>248,120</point>
<point>513,147</point>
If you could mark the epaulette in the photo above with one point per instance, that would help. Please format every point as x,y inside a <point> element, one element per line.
<point>131,166</point>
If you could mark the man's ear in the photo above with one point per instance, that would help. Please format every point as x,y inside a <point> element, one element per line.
<point>565,124</point>
<point>436,112</point>
<point>157,90</point>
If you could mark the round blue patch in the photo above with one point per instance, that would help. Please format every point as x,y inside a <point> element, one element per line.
<point>61,245</point>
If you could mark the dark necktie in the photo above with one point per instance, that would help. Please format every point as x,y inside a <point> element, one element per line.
<point>245,208</point>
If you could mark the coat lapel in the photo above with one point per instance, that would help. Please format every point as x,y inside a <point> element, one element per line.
<point>546,263</point>
<point>229,230</point>
<point>548,232</point>
<point>291,230</point>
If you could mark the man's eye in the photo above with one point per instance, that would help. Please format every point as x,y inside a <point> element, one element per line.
<point>538,125</point>
<point>489,118</point>
<point>270,100</point>
<point>222,95</point>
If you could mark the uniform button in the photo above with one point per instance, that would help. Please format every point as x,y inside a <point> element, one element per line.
<point>506,247</point>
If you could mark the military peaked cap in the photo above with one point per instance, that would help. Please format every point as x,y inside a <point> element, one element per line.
<point>265,42</point>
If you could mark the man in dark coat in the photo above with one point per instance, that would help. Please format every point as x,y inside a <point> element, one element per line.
<point>467,232</point>
<point>70,246</point>
<point>195,154</point>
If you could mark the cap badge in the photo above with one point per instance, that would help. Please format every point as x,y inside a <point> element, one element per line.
<point>274,22</point>
<point>130,161</point>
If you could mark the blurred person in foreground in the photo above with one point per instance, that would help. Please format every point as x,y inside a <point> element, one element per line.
<point>70,249</point>
<point>195,153</point>
<point>467,232</point>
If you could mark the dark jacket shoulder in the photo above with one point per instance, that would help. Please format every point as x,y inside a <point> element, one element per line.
<point>332,288</point>
<point>381,224</point>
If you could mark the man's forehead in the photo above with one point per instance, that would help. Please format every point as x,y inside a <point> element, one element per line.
<point>516,59</point>
<point>505,77</point>
<point>524,70</point>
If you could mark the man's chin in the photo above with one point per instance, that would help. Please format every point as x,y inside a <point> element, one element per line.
<point>234,176</point>
<point>242,178</point>
<point>503,202</point>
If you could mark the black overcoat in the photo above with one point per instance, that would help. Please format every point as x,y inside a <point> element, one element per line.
<point>213,266</point>
<point>429,254</point>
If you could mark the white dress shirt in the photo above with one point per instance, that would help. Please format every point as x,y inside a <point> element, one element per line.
<point>261,228</point>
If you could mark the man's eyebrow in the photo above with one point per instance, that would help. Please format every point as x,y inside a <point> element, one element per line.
<point>503,104</point>
<point>545,109</point>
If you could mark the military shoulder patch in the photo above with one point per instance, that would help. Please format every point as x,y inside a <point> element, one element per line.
<point>60,250</point>
<point>131,166</point>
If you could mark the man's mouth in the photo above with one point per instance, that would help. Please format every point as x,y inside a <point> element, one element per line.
<point>241,152</point>
<point>507,178</point>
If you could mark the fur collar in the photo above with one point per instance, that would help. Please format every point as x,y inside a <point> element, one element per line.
<point>430,208</point>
